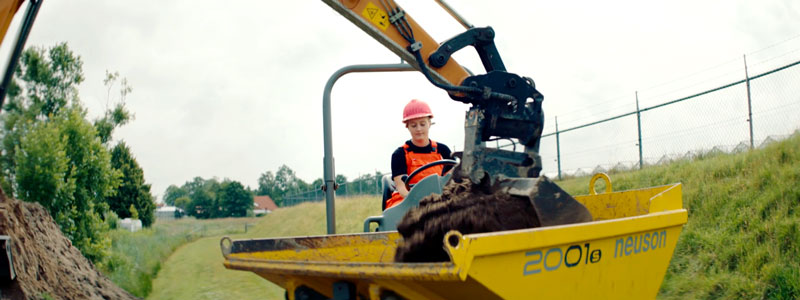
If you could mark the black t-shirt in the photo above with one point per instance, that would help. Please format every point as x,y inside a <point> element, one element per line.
<point>399,156</point>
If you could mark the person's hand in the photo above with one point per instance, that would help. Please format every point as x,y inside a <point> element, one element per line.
<point>400,185</point>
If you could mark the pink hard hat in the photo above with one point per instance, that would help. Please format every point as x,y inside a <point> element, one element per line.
<point>416,109</point>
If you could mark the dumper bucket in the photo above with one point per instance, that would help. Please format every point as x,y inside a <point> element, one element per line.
<point>622,254</point>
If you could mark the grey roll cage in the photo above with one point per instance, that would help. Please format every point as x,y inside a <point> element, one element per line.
<point>329,184</point>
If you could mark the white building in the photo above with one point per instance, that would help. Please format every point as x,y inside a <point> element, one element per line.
<point>168,213</point>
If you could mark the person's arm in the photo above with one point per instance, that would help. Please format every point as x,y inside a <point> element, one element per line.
<point>401,186</point>
<point>398,170</point>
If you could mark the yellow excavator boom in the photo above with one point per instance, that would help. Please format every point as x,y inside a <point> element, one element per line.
<point>373,16</point>
<point>8,9</point>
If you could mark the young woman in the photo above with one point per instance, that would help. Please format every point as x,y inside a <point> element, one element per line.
<point>417,151</point>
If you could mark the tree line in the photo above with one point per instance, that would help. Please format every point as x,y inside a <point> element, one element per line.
<point>204,198</point>
<point>210,198</point>
<point>54,155</point>
<point>284,183</point>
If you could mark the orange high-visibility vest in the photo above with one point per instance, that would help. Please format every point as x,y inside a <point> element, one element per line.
<point>414,161</point>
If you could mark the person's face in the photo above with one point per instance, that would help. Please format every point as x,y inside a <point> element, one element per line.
<point>419,128</point>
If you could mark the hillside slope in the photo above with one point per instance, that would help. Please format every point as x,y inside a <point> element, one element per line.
<point>742,239</point>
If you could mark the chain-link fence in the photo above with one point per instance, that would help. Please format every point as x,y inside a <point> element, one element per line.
<point>737,116</point>
<point>363,185</point>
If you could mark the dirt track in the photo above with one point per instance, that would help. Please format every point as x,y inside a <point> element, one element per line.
<point>460,207</point>
<point>45,261</point>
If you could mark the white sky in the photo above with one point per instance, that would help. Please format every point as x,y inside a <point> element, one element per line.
<point>231,89</point>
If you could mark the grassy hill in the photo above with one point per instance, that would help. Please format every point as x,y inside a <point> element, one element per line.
<point>741,241</point>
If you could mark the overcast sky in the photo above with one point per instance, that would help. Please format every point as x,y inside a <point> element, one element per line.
<point>231,89</point>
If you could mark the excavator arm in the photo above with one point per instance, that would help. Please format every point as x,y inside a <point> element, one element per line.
<point>8,9</point>
<point>378,19</point>
<point>504,105</point>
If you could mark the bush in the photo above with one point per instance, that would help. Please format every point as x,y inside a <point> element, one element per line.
<point>111,219</point>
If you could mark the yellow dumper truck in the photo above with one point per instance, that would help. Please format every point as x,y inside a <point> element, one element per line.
<point>622,254</point>
<point>609,245</point>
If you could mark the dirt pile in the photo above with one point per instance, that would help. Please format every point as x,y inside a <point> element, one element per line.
<point>45,261</point>
<point>461,207</point>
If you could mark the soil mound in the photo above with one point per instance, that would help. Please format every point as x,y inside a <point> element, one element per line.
<point>45,261</point>
<point>461,207</point>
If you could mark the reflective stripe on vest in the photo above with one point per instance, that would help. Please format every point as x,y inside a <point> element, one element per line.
<point>415,160</point>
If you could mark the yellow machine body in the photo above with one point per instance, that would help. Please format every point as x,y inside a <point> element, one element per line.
<point>373,18</point>
<point>623,254</point>
<point>8,8</point>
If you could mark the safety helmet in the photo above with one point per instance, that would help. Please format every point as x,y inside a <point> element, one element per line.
<point>416,109</point>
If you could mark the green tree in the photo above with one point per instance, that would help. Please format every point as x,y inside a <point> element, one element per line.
<point>172,193</point>
<point>202,205</point>
<point>52,154</point>
<point>212,188</point>
<point>317,183</point>
<point>340,179</point>
<point>42,167</point>
<point>117,115</point>
<point>134,212</point>
<point>203,195</point>
<point>194,191</point>
<point>287,183</point>
<point>132,191</point>
<point>49,82</point>
<point>365,184</point>
<point>284,183</point>
<point>267,185</point>
<point>76,178</point>
<point>234,199</point>
<point>183,202</point>
<point>284,179</point>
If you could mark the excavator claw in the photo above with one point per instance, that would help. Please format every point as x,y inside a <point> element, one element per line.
<point>553,205</point>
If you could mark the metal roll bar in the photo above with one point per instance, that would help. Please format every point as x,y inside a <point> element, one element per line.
<point>329,184</point>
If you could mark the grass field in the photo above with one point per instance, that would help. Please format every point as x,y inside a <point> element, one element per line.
<point>742,239</point>
<point>195,271</point>
<point>136,257</point>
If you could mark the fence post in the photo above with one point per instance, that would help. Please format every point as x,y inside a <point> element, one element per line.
<point>639,126</point>
<point>558,150</point>
<point>749,105</point>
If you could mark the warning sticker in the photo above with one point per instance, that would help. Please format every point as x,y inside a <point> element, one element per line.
<point>376,15</point>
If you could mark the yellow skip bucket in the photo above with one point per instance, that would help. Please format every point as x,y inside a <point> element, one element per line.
<point>622,254</point>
